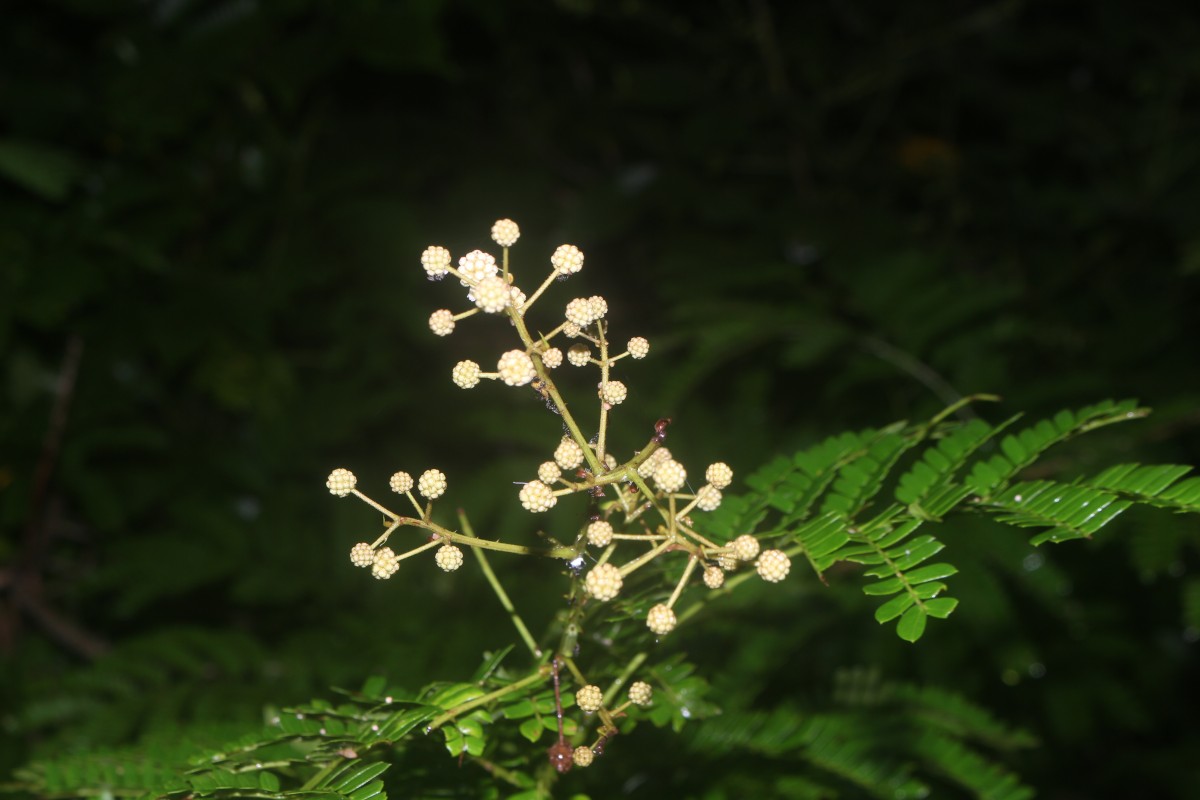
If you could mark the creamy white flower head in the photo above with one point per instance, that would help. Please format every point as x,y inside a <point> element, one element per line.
<point>475,266</point>
<point>568,454</point>
<point>613,392</point>
<point>362,555</point>
<point>491,294</point>
<point>599,533</point>
<point>548,472</point>
<point>436,261</point>
<point>516,368</point>
<point>719,474</point>
<point>579,355</point>
<point>441,322</point>
<point>401,482</point>
<point>773,565</point>
<point>448,557</point>
<point>432,484</point>
<point>638,347</point>
<point>505,232</point>
<point>567,259</point>
<point>661,619</point>
<point>552,358</point>
<point>670,475</point>
<point>385,563</point>
<point>708,498</point>
<point>599,307</point>
<point>603,582</point>
<point>341,482</point>
<point>465,374</point>
<point>580,312</point>
<point>536,496</point>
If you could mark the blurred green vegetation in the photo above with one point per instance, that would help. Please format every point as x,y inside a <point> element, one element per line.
<point>824,216</point>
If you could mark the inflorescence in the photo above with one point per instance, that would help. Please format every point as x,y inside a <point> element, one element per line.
<point>641,505</point>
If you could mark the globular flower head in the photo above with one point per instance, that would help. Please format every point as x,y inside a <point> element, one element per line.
<point>362,555</point>
<point>661,619</point>
<point>492,294</point>
<point>580,312</point>
<point>448,557</point>
<point>505,232</point>
<point>548,472</point>
<point>341,482</point>
<point>638,347</point>
<point>603,582</point>
<point>583,756</point>
<point>670,475</point>
<point>537,497</point>
<point>571,330</point>
<point>465,374</point>
<point>599,533</point>
<point>641,693</point>
<point>719,474</point>
<point>475,266</point>
<point>727,562</point>
<point>708,498</point>
<point>441,322</point>
<point>568,454</point>
<point>589,698</point>
<point>432,484</point>
<point>648,467</point>
<point>714,577</point>
<point>436,261</point>
<point>773,565</point>
<point>579,355</point>
<point>552,358</point>
<point>745,547</point>
<point>613,392</point>
<point>599,307</point>
<point>567,259</point>
<point>385,564</point>
<point>401,482</point>
<point>516,368</point>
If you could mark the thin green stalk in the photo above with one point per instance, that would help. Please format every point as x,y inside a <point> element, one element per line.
<point>618,683</point>
<point>519,623</point>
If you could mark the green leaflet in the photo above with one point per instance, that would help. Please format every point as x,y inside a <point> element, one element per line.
<point>961,466</point>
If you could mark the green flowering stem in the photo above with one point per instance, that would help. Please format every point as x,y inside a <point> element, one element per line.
<point>383,537</point>
<point>646,557</point>
<point>573,669</point>
<point>730,585</point>
<point>607,554</point>
<point>539,675</point>
<point>618,683</point>
<point>540,290</point>
<point>683,579</point>
<point>471,540</point>
<point>544,375</point>
<point>698,537</point>
<point>603,427</point>
<point>421,549</point>
<point>519,623</point>
<point>381,509</point>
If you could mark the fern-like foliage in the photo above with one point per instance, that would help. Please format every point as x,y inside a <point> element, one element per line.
<point>872,498</point>
<point>882,740</point>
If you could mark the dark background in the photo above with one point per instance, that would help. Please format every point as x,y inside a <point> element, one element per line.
<point>823,216</point>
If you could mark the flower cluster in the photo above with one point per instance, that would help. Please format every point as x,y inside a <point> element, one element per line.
<point>642,501</point>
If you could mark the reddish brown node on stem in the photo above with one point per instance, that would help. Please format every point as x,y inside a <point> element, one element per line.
<point>561,756</point>
<point>660,429</point>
